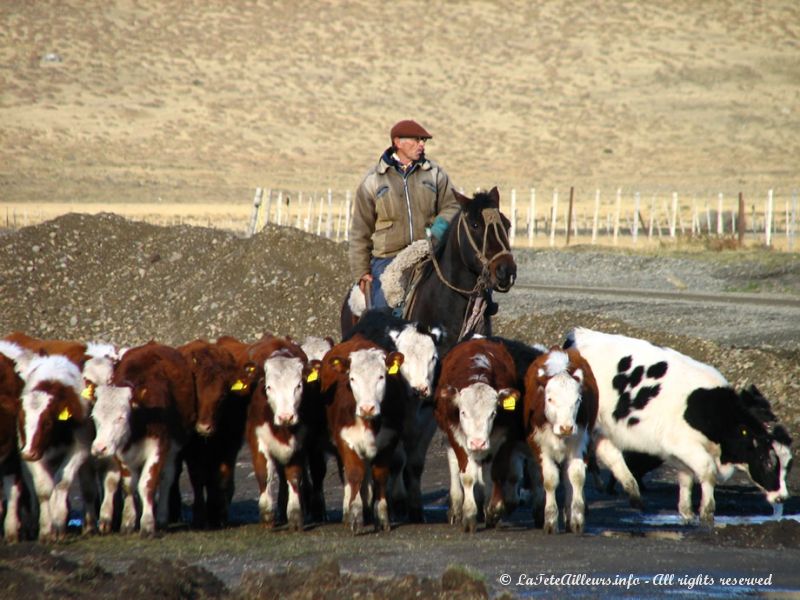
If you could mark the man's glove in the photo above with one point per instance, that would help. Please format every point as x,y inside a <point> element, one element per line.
<point>439,228</point>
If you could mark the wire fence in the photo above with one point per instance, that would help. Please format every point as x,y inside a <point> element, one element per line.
<point>556,220</point>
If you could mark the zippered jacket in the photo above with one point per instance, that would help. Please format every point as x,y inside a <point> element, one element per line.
<point>393,209</point>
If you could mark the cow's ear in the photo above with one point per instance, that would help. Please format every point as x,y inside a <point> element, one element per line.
<point>311,371</point>
<point>394,334</point>
<point>446,392</point>
<point>339,364</point>
<point>437,334</point>
<point>393,362</point>
<point>578,375</point>
<point>507,398</point>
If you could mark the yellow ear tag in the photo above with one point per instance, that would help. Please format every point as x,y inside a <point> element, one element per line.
<point>313,376</point>
<point>394,369</point>
<point>238,386</point>
<point>510,403</point>
<point>64,415</point>
<point>88,392</point>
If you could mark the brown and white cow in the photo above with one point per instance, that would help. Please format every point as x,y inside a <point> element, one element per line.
<point>277,426</point>
<point>477,408</point>
<point>560,411</point>
<point>55,435</point>
<point>144,417</point>
<point>73,350</point>
<point>365,411</point>
<point>210,455</point>
<point>13,486</point>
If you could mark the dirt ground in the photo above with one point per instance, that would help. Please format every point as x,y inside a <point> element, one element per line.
<point>105,278</point>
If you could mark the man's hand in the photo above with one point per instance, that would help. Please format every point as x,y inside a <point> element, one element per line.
<point>362,283</point>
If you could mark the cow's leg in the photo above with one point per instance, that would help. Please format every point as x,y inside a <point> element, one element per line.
<point>130,481</point>
<point>43,488</point>
<point>537,485</point>
<point>87,476</point>
<point>13,491</point>
<point>294,509</point>
<point>456,511</point>
<point>550,477</point>
<point>197,467</point>
<point>415,464</point>
<point>168,477</point>
<point>573,501</point>
<point>380,477</point>
<point>704,469</point>
<point>59,499</point>
<point>611,457</point>
<point>110,478</point>
<point>685,481</point>
<point>268,498</point>
<point>317,468</point>
<point>147,486</point>
<point>352,505</point>
<point>471,479</point>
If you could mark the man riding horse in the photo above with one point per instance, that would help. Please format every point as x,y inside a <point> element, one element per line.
<point>402,197</point>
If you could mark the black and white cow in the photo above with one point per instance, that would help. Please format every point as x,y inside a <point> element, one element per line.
<point>418,344</point>
<point>660,402</point>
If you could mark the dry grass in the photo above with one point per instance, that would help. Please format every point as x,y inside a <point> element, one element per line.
<point>189,101</point>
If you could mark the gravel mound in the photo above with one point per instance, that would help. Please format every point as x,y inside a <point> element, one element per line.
<point>106,278</point>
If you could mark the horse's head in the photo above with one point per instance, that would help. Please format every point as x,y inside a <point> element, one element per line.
<point>486,249</point>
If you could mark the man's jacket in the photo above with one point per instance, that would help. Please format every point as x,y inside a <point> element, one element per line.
<point>393,209</point>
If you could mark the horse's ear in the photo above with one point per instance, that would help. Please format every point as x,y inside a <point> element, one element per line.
<point>494,194</point>
<point>462,199</point>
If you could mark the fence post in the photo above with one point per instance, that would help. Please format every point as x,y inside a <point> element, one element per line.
<point>253,214</point>
<point>742,219</point>
<point>347,217</point>
<point>553,219</point>
<point>596,215</point>
<point>569,212</point>
<point>513,229</point>
<point>636,200</point>
<point>617,215</point>
<point>768,219</point>
<point>719,214</point>
<point>792,225</point>
<point>652,217</point>
<point>532,218</point>
<point>674,220</point>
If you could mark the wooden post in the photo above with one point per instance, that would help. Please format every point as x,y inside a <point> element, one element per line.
<point>596,215</point>
<point>569,212</point>
<point>299,220</point>
<point>279,210</point>
<point>532,218</point>
<point>329,225</point>
<point>617,212</point>
<point>720,228</point>
<point>310,218</point>
<point>636,201</point>
<point>512,231</point>
<point>742,219</point>
<point>695,218</point>
<point>553,219</point>
<point>768,220</point>
<point>253,214</point>
<point>267,208</point>
<point>792,225</point>
<point>673,222</point>
<point>321,212</point>
<point>652,218</point>
<point>708,218</point>
<point>347,216</point>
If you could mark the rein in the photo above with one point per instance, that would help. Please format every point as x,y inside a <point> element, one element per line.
<point>491,217</point>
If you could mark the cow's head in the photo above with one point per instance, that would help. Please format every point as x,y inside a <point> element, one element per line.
<point>418,346</point>
<point>476,407</point>
<point>366,371</point>
<point>283,384</point>
<point>766,445</point>
<point>111,414</point>
<point>50,403</point>
<point>561,393</point>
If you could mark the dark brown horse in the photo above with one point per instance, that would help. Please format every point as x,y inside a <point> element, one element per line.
<point>454,289</point>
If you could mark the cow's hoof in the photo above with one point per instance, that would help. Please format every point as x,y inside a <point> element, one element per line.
<point>455,517</point>
<point>550,528</point>
<point>471,524</point>
<point>576,527</point>
<point>295,521</point>
<point>104,527</point>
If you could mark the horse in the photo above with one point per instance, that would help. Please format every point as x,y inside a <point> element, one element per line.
<point>454,289</point>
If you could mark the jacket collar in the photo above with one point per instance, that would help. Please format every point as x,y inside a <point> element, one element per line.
<point>387,162</point>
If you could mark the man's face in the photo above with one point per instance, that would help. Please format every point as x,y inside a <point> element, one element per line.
<point>409,149</point>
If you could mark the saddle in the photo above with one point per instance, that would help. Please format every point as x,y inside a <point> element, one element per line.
<point>399,280</point>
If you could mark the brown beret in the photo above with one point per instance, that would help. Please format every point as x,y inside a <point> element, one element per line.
<point>409,129</point>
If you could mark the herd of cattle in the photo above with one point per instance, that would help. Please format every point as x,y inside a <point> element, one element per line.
<point>123,422</point>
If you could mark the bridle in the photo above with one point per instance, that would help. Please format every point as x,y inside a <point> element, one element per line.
<point>492,219</point>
